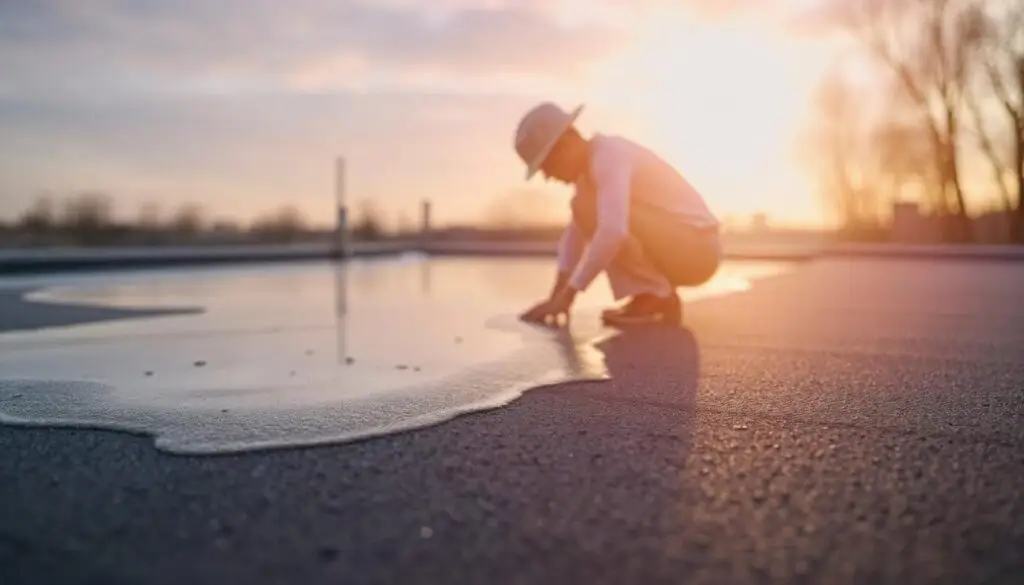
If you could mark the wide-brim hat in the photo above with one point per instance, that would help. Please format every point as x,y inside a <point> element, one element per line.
<point>539,131</point>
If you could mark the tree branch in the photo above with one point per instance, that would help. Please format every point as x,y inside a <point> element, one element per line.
<point>988,148</point>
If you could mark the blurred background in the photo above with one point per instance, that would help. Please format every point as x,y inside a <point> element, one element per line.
<point>167,122</point>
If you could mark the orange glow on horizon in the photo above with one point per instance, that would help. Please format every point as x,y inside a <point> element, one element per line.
<point>724,101</point>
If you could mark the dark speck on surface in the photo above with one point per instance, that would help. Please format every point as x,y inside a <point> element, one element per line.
<point>401,367</point>
<point>149,374</point>
<point>350,360</point>
<point>199,363</point>
<point>328,554</point>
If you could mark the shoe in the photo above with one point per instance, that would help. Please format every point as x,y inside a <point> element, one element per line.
<point>646,309</point>
<point>637,303</point>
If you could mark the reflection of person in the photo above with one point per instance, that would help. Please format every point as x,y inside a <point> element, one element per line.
<point>634,217</point>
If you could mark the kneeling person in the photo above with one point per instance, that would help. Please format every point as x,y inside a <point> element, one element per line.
<point>634,217</point>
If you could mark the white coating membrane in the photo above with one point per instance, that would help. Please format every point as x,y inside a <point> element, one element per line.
<point>305,354</point>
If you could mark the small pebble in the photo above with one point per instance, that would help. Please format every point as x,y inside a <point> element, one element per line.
<point>199,364</point>
<point>401,367</point>
<point>426,532</point>
<point>149,373</point>
<point>350,360</point>
<point>223,410</point>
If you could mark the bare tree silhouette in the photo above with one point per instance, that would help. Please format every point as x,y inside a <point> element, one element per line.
<point>284,224</point>
<point>524,208</point>
<point>369,224</point>
<point>188,220</point>
<point>89,218</point>
<point>926,50</point>
<point>40,218</point>
<point>1001,54</point>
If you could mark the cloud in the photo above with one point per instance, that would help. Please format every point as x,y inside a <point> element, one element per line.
<point>117,46</point>
<point>242,155</point>
<point>242,105</point>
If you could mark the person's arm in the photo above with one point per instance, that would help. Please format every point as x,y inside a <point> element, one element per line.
<point>612,175</point>
<point>570,248</point>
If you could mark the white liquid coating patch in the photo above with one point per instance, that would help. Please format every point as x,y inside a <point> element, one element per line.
<point>302,355</point>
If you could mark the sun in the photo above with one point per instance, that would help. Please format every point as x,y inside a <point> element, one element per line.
<point>722,100</point>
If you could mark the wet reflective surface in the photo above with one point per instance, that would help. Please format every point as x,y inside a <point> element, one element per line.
<point>303,354</point>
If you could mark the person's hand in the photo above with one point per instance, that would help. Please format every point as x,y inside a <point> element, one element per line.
<point>552,311</point>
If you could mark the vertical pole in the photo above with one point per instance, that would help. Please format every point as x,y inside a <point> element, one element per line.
<point>341,228</point>
<point>341,268</point>
<point>425,220</point>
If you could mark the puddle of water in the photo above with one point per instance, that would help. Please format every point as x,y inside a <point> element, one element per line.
<point>305,354</point>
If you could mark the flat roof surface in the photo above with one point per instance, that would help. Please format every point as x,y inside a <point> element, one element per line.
<point>849,421</point>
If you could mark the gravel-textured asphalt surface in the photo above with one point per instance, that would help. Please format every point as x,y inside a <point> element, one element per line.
<point>853,422</point>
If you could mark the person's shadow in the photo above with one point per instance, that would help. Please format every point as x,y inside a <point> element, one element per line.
<point>646,363</point>
<point>619,458</point>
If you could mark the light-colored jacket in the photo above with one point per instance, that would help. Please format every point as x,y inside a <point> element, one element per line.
<point>623,174</point>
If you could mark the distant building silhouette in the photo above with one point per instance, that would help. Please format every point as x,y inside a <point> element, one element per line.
<point>911,226</point>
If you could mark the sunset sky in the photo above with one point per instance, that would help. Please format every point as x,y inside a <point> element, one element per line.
<point>242,106</point>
